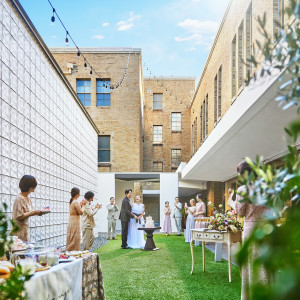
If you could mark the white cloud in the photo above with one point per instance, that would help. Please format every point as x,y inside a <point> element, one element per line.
<point>105,24</point>
<point>128,24</point>
<point>191,49</point>
<point>53,36</point>
<point>198,26</point>
<point>98,37</point>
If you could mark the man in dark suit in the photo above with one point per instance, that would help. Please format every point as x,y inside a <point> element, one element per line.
<point>125,216</point>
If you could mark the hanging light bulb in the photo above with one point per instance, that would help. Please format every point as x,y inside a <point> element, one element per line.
<point>78,54</point>
<point>91,72</point>
<point>85,65</point>
<point>53,18</point>
<point>67,40</point>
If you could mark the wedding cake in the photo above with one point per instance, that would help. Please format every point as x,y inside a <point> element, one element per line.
<point>149,222</point>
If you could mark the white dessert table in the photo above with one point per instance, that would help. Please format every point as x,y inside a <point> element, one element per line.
<point>214,236</point>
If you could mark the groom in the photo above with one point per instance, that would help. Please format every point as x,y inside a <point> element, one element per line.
<point>125,216</point>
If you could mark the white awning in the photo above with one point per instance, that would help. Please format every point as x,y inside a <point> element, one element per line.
<point>253,125</point>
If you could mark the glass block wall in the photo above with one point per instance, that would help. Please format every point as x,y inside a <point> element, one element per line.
<point>43,131</point>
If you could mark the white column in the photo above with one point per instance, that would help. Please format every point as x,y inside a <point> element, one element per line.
<point>105,189</point>
<point>168,192</point>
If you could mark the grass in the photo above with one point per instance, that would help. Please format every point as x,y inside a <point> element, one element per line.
<point>165,274</point>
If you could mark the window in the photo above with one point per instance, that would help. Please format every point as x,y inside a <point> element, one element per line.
<point>84,91</point>
<point>220,93</point>
<point>157,101</point>
<point>157,134</point>
<point>175,158</point>
<point>216,99</point>
<point>240,55</point>
<point>233,68</point>
<point>248,40</point>
<point>278,16</point>
<point>194,136</point>
<point>176,121</point>
<point>157,166</point>
<point>201,125</point>
<point>103,92</point>
<point>103,148</point>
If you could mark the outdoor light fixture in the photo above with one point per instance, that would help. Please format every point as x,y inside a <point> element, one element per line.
<point>78,54</point>
<point>91,72</point>
<point>67,40</point>
<point>85,65</point>
<point>53,18</point>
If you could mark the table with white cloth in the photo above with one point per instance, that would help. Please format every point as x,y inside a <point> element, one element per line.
<point>204,235</point>
<point>76,280</point>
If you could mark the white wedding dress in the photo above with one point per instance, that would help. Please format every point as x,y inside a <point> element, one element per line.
<point>135,237</point>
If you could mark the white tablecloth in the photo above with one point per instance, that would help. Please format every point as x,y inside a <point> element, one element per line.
<point>63,281</point>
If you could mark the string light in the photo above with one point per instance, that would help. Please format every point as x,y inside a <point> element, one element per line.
<point>53,18</point>
<point>79,53</point>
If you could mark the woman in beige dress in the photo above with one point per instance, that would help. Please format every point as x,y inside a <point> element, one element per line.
<point>23,209</point>
<point>254,215</point>
<point>200,207</point>
<point>73,230</point>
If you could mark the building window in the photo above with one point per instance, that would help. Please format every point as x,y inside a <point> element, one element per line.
<point>233,68</point>
<point>216,100</point>
<point>103,92</point>
<point>194,136</point>
<point>175,158</point>
<point>157,101</point>
<point>157,166</point>
<point>176,121</point>
<point>84,91</point>
<point>201,125</point>
<point>278,17</point>
<point>248,41</point>
<point>157,134</point>
<point>220,93</point>
<point>103,148</point>
<point>240,55</point>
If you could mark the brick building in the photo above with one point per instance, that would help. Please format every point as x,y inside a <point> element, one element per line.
<point>116,112</point>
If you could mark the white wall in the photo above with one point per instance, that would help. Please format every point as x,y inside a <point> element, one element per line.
<point>43,131</point>
<point>105,190</point>
<point>168,192</point>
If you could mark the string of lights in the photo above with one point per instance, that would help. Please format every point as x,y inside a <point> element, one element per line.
<point>80,54</point>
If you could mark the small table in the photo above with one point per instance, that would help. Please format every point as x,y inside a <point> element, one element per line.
<point>150,245</point>
<point>214,236</point>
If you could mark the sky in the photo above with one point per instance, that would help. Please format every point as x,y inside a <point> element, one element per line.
<point>175,35</point>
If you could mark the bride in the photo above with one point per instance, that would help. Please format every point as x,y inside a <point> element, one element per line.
<point>135,238</point>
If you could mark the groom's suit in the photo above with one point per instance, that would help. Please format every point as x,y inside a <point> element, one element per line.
<point>125,216</point>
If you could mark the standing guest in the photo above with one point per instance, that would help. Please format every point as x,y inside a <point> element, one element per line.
<point>254,215</point>
<point>167,228</point>
<point>135,238</point>
<point>177,215</point>
<point>112,217</point>
<point>88,222</point>
<point>23,209</point>
<point>73,230</point>
<point>125,216</point>
<point>200,207</point>
<point>190,221</point>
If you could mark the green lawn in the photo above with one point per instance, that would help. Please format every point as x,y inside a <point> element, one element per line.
<point>165,274</point>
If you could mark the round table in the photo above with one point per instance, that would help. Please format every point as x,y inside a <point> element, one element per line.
<point>150,245</point>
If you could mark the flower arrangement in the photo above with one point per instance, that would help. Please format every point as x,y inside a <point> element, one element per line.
<point>224,221</point>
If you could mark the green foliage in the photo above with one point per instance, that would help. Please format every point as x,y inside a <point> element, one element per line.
<point>13,288</point>
<point>278,188</point>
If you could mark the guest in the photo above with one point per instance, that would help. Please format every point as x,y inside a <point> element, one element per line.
<point>22,208</point>
<point>190,221</point>
<point>112,218</point>
<point>135,239</point>
<point>125,216</point>
<point>167,228</point>
<point>200,207</point>
<point>88,222</point>
<point>254,215</point>
<point>73,230</point>
<point>230,201</point>
<point>177,215</point>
